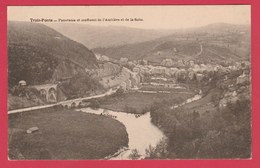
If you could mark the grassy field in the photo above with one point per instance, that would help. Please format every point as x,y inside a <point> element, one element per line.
<point>16,102</point>
<point>160,88</point>
<point>135,102</point>
<point>202,105</point>
<point>64,134</point>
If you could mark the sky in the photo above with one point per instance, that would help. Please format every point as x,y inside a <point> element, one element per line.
<point>147,17</point>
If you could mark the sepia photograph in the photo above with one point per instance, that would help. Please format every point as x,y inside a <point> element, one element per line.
<point>143,82</point>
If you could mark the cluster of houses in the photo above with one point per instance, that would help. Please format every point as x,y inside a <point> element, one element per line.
<point>179,63</point>
<point>169,69</point>
<point>240,88</point>
<point>229,97</point>
<point>245,77</point>
<point>194,71</point>
<point>233,93</point>
<point>126,79</point>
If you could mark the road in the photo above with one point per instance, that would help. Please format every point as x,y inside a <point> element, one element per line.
<point>201,50</point>
<point>109,92</point>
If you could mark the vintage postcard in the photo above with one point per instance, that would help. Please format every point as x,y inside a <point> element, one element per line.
<point>129,82</point>
<point>129,85</point>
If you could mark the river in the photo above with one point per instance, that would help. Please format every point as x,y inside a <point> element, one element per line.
<point>141,131</point>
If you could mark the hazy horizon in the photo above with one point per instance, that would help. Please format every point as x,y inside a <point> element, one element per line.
<point>160,29</point>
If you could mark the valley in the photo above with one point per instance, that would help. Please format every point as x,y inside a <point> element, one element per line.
<point>189,89</point>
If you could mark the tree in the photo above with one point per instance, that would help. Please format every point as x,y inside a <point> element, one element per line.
<point>160,151</point>
<point>94,103</point>
<point>135,155</point>
<point>119,91</point>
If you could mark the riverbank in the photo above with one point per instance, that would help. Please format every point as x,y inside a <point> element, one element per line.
<point>142,134</point>
<point>200,129</point>
<point>64,134</point>
<point>139,103</point>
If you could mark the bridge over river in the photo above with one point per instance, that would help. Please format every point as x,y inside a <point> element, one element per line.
<point>66,103</point>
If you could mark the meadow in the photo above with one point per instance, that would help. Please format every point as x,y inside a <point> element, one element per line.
<point>64,134</point>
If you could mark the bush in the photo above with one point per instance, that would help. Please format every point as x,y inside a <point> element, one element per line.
<point>94,103</point>
<point>119,92</point>
<point>81,85</point>
<point>160,151</point>
<point>130,109</point>
<point>215,98</point>
<point>134,155</point>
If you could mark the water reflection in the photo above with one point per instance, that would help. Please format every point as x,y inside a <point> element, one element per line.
<point>141,132</point>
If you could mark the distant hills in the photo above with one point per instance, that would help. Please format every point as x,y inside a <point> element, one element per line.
<point>208,44</point>
<point>37,53</point>
<point>106,36</point>
<point>215,28</point>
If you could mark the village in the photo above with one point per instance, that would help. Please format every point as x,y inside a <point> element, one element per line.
<point>126,92</point>
<point>169,73</point>
<point>141,76</point>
